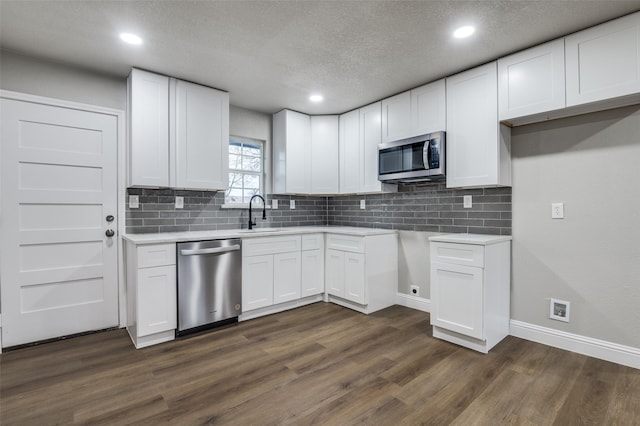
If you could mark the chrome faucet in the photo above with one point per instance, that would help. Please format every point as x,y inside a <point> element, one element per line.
<point>252,223</point>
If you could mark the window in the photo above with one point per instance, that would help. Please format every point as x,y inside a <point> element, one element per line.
<point>245,169</point>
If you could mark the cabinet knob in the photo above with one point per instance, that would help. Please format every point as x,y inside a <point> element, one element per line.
<point>110,218</point>
<point>110,233</point>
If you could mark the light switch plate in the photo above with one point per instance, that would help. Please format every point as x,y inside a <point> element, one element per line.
<point>467,201</point>
<point>363,204</point>
<point>292,205</point>
<point>179,202</point>
<point>274,204</point>
<point>134,202</point>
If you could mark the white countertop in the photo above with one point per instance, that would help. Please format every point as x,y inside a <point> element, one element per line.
<point>173,237</point>
<point>479,239</point>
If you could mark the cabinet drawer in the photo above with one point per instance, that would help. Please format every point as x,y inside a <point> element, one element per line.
<point>270,245</point>
<point>345,243</point>
<point>156,255</point>
<point>311,241</point>
<point>458,254</point>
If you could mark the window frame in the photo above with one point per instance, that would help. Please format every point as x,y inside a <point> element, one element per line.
<point>233,140</point>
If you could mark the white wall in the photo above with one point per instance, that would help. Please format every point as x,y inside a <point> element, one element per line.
<point>591,258</point>
<point>25,74</point>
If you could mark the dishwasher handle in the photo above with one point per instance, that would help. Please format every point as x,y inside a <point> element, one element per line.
<point>218,250</point>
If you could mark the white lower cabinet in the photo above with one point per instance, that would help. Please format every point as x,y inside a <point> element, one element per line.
<point>151,293</point>
<point>361,273</point>
<point>271,271</point>
<point>312,265</point>
<point>470,289</point>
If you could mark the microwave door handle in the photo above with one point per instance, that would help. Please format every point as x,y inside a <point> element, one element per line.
<point>426,153</point>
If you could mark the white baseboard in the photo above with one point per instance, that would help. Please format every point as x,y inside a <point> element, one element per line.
<point>595,348</point>
<point>413,302</point>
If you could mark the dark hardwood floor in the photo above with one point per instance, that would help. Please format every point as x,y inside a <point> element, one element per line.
<point>320,364</point>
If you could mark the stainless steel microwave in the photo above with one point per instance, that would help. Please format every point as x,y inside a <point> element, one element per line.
<point>417,159</point>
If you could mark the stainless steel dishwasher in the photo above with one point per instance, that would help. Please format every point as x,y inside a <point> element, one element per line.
<point>209,284</point>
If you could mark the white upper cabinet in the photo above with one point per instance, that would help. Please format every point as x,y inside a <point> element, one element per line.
<point>305,153</point>
<point>148,99</point>
<point>603,62</point>
<point>478,147</point>
<point>349,149</point>
<point>396,117</point>
<point>415,112</point>
<point>291,153</point>
<point>359,139</point>
<point>324,154</point>
<point>428,108</point>
<point>202,137</point>
<point>179,133</point>
<point>532,81</point>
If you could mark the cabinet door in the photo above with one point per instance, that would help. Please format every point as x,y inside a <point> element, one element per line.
<point>369,140</point>
<point>298,153</point>
<point>286,277</point>
<point>157,300</point>
<point>477,152</point>
<point>350,158</point>
<point>428,108</point>
<point>457,298</point>
<point>532,81</point>
<point>324,154</point>
<point>257,282</point>
<point>604,61</point>
<point>396,117</point>
<point>202,137</point>
<point>334,272</point>
<point>354,277</point>
<point>312,272</point>
<point>149,126</point>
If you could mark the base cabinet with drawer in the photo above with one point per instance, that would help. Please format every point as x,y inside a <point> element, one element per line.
<point>361,272</point>
<point>151,293</point>
<point>470,289</point>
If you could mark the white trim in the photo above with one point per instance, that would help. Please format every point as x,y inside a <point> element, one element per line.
<point>413,302</point>
<point>281,307</point>
<point>25,97</point>
<point>601,349</point>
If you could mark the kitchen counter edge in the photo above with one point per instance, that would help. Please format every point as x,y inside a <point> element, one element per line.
<point>176,237</point>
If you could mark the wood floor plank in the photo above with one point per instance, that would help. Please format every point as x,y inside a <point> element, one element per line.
<point>318,364</point>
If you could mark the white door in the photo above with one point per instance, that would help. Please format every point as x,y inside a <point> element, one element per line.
<point>312,272</point>
<point>334,272</point>
<point>257,282</point>
<point>286,277</point>
<point>354,277</point>
<point>58,269</point>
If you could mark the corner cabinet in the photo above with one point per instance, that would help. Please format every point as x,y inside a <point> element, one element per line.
<point>470,289</point>
<point>151,293</point>
<point>179,133</point>
<point>603,62</point>
<point>478,146</point>
<point>361,272</point>
<point>305,153</point>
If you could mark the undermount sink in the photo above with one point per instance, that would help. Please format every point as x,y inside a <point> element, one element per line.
<point>258,230</point>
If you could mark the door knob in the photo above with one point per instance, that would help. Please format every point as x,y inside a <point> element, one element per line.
<point>110,218</point>
<point>109,233</point>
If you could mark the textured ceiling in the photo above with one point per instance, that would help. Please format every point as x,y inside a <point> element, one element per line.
<point>272,54</point>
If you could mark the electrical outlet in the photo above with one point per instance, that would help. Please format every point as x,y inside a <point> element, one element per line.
<point>557,211</point>
<point>415,290</point>
<point>559,310</point>
<point>134,202</point>
<point>363,205</point>
<point>179,202</point>
<point>274,204</point>
<point>467,201</point>
<point>292,205</point>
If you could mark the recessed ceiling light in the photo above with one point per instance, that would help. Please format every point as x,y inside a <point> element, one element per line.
<point>464,32</point>
<point>130,38</point>
<point>316,98</point>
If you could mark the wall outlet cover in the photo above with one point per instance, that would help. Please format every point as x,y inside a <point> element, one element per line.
<point>179,202</point>
<point>415,290</point>
<point>559,310</point>
<point>274,204</point>
<point>292,205</point>
<point>363,204</point>
<point>134,202</point>
<point>467,201</point>
<point>557,210</point>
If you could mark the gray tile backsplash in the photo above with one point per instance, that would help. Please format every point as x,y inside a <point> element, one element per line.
<point>417,207</point>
